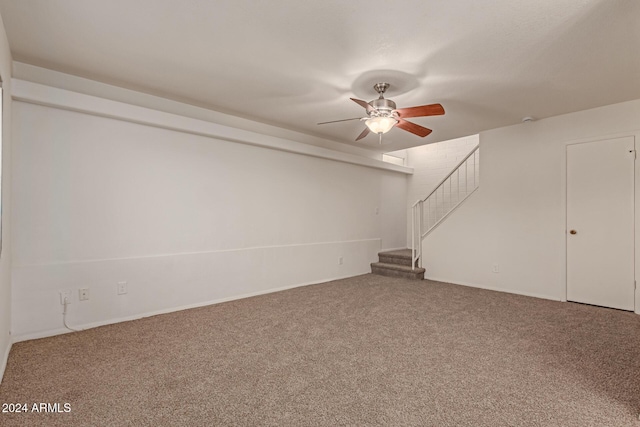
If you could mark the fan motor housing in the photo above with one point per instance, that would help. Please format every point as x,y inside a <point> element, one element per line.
<point>382,104</point>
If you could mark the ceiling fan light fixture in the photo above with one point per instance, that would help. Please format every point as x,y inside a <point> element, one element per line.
<point>383,115</point>
<point>380,124</point>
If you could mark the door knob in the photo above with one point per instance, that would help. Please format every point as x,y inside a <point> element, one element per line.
<point>573,232</point>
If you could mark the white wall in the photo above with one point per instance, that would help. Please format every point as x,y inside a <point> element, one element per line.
<point>91,87</point>
<point>184,219</point>
<point>516,219</point>
<point>5,254</point>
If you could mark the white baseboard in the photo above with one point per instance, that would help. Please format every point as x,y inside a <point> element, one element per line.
<point>61,331</point>
<point>3,362</point>
<point>491,288</point>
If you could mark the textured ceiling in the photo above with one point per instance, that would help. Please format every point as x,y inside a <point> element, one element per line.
<point>294,63</point>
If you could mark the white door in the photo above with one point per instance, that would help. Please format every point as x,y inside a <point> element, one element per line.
<point>600,223</point>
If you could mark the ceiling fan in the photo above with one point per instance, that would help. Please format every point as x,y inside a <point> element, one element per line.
<point>382,115</point>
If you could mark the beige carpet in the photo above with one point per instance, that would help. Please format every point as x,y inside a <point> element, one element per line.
<point>365,351</point>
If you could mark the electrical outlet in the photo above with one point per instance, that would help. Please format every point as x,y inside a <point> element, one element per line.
<point>496,268</point>
<point>65,294</point>
<point>83,294</point>
<point>122,288</point>
<point>340,260</point>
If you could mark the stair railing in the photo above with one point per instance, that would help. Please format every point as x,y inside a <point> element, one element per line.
<point>454,189</point>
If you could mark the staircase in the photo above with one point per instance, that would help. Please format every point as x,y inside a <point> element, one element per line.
<point>397,264</point>
<point>455,188</point>
<point>426,214</point>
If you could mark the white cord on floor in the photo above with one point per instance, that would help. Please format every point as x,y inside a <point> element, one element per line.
<point>64,317</point>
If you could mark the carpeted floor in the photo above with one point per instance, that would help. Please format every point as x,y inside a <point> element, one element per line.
<point>365,351</point>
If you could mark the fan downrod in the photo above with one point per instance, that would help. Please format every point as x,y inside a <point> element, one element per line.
<point>382,106</point>
<point>381,88</point>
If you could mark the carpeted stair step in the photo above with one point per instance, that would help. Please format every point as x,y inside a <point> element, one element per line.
<point>397,270</point>
<point>400,257</point>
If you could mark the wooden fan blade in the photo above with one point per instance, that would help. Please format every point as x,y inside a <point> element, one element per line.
<point>362,103</point>
<point>413,128</point>
<point>421,111</point>
<point>343,120</point>
<point>364,133</point>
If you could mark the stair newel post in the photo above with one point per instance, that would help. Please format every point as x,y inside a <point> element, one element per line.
<point>413,235</point>
<point>416,231</point>
<point>420,227</point>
